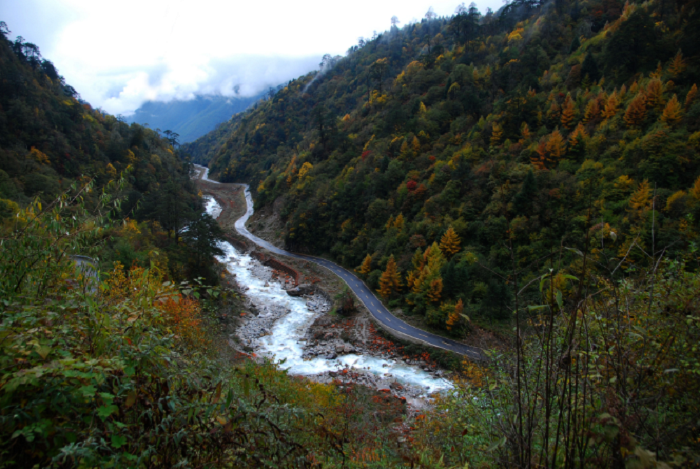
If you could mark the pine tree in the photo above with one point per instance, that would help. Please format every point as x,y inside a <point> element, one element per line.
<point>539,158</point>
<point>677,65</point>
<point>455,315</point>
<point>690,97</point>
<point>611,106</point>
<point>366,266</point>
<point>435,291</point>
<point>399,222</point>
<point>592,111</point>
<point>636,111</point>
<point>567,113</point>
<point>389,222</point>
<point>641,197</point>
<point>589,68</point>
<point>576,140</point>
<point>449,243</point>
<point>655,94</point>
<point>390,280</point>
<point>575,44</point>
<point>556,147</point>
<point>672,111</point>
<point>415,145</point>
<point>524,131</point>
<point>695,191</point>
<point>496,134</point>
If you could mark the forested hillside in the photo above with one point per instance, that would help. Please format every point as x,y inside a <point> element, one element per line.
<point>467,147</point>
<point>534,172</point>
<point>50,139</point>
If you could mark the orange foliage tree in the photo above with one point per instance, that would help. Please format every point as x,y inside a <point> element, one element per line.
<point>390,280</point>
<point>672,111</point>
<point>366,266</point>
<point>449,243</point>
<point>567,113</point>
<point>636,111</point>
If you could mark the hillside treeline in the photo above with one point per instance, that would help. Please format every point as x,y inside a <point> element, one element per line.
<point>522,131</point>
<point>534,171</point>
<point>50,139</point>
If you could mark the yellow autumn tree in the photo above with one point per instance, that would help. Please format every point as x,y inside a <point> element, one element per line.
<point>390,280</point>
<point>677,65</point>
<point>435,291</point>
<point>641,197</point>
<point>496,134</point>
<point>524,131</point>
<point>578,135</point>
<point>611,106</point>
<point>366,266</point>
<point>655,94</point>
<point>111,171</point>
<point>695,191</point>
<point>455,315</point>
<point>636,111</point>
<point>672,111</point>
<point>399,222</point>
<point>305,169</point>
<point>592,111</point>
<point>449,243</point>
<point>567,113</point>
<point>415,145</point>
<point>690,97</point>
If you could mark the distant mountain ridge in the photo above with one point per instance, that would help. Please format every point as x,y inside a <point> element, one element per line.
<point>194,118</point>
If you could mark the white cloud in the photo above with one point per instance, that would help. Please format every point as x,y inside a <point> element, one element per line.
<point>119,54</point>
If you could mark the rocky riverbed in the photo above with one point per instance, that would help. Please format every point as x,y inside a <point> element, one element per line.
<point>298,332</point>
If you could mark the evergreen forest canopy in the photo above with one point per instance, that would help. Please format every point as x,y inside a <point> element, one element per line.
<point>511,135</point>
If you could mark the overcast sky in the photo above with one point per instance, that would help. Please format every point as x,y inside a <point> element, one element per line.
<point>119,54</point>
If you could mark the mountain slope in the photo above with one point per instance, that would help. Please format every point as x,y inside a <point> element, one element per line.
<point>191,119</point>
<point>512,129</point>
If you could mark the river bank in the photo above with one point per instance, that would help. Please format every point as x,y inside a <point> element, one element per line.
<point>300,332</point>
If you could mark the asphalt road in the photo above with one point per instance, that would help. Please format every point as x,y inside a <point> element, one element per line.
<point>371,302</point>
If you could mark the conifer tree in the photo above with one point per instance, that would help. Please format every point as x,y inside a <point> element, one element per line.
<point>655,92</point>
<point>556,147</point>
<point>636,111</point>
<point>567,113</point>
<point>399,222</point>
<point>592,111</point>
<point>390,280</point>
<point>641,197</point>
<point>695,191</point>
<point>449,243</point>
<point>415,145</point>
<point>435,291</point>
<point>496,134</point>
<point>366,266</point>
<point>672,111</point>
<point>691,96</point>
<point>589,68</point>
<point>455,315</point>
<point>677,65</point>
<point>389,222</point>
<point>576,140</point>
<point>524,131</point>
<point>611,106</point>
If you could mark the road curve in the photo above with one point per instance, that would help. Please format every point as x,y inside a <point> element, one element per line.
<point>371,302</point>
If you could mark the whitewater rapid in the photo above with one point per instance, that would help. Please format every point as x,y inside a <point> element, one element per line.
<point>282,344</point>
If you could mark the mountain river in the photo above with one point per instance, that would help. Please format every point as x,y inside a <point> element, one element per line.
<point>290,317</point>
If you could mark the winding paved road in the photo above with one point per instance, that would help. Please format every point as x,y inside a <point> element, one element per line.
<point>371,302</point>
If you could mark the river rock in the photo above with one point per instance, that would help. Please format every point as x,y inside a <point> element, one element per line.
<point>301,290</point>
